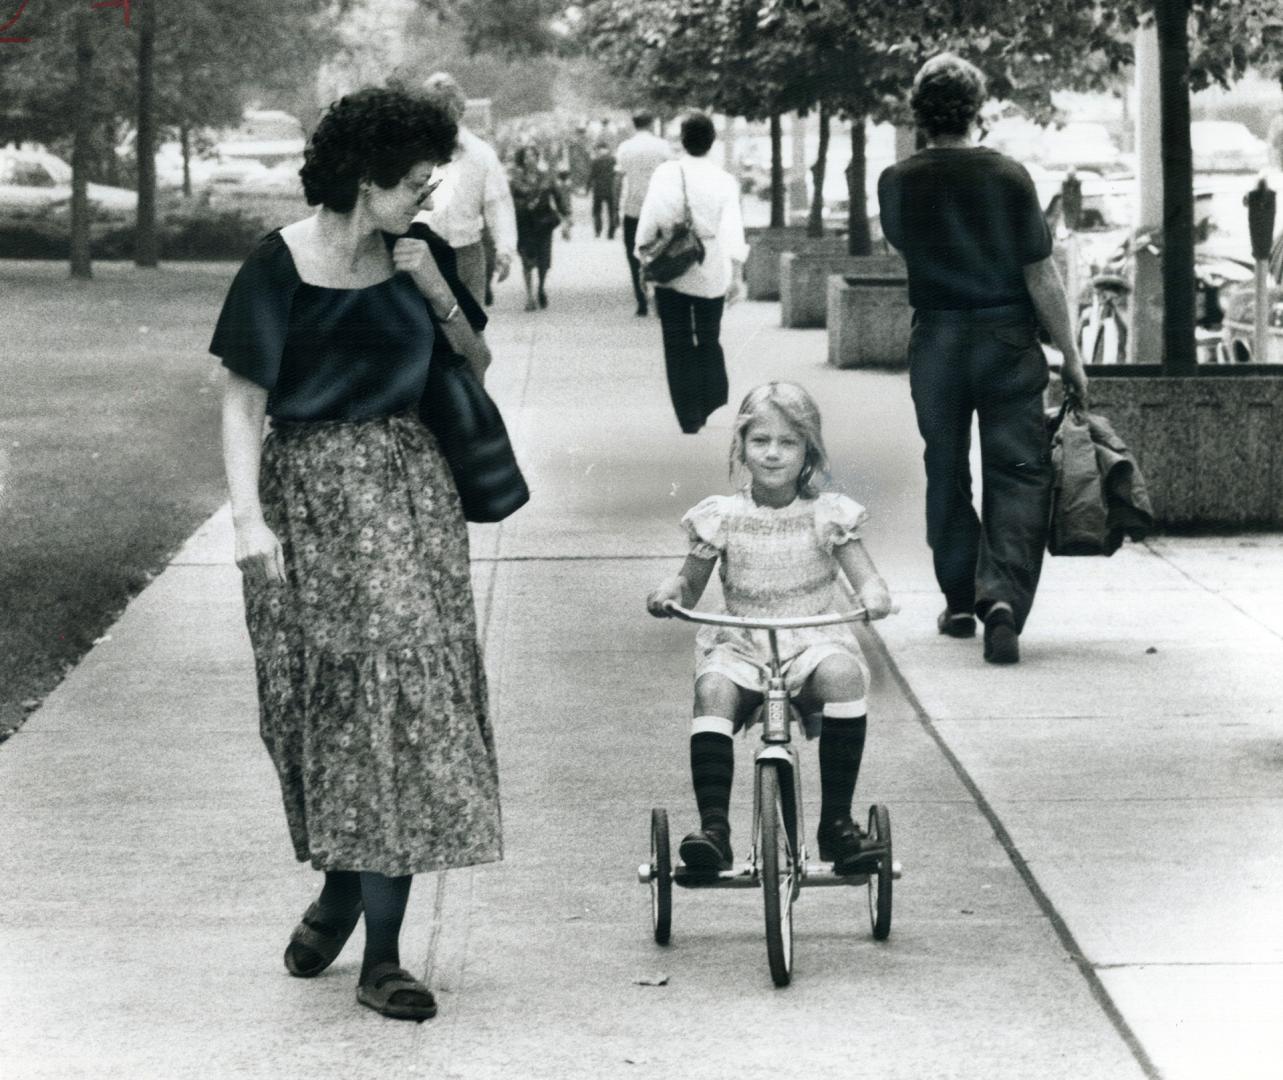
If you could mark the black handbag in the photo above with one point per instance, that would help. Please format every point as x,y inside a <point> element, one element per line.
<point>473,439</point>
<point>668,257</point>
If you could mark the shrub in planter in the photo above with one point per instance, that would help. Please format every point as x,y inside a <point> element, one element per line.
<point>186,232</point>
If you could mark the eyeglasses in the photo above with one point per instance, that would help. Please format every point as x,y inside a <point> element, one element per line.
<point>428,189</point>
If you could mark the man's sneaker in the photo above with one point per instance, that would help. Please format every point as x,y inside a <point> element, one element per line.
<point>840,844</point>
<point>959,624</point>
<point>1002,643</point>
<point>706,851</point>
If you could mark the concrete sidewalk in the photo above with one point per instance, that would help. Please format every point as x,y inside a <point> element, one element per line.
<point>1092,840</point>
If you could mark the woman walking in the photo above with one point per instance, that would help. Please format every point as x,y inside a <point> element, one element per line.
<point>352,543</point>
<point>541,204</point>
<point>690,306</point>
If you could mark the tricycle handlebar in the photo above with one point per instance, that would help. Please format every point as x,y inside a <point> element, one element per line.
<point>764,623</point>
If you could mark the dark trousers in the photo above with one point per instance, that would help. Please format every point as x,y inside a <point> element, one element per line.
<point>600,201</point>
<point>634,267</point>
<point>692,355</point>
<point>988,362</point>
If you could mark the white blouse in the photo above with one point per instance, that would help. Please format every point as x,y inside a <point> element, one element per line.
<point>715,208</point>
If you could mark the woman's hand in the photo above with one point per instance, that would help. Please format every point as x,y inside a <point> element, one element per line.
<point>415,258</point>
<point>667,592</point>
<point>411,255</point>
<point>259,555</point>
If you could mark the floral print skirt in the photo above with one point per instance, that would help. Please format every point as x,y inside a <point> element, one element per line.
<point>372,693</point>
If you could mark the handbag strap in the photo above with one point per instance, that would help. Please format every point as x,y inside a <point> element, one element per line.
<point>686,202</point>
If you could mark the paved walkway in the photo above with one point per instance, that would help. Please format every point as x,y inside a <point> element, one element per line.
<point>1092,841</point>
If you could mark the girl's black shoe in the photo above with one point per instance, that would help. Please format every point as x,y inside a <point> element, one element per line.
<point>840,842</point>
<point>706,851</point>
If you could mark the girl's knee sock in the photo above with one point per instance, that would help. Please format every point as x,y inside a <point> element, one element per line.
<point>385,899</point>
<point>712,769</point>
<point>841,748</point>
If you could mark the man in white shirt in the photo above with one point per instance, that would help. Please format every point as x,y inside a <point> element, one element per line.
<point>474,193</point>
<point>635,161</point>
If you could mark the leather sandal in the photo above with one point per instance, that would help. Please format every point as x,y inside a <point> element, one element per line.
<point>321,934</point>
<point>386,981</point>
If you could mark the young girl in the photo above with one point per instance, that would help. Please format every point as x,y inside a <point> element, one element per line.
<point>781,543</point>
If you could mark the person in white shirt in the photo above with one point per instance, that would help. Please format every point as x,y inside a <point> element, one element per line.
<point>473,193</point>
<point>635,162</point>
<point>690,306</point>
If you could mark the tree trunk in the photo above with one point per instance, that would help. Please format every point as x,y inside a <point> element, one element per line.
<point>858,239</point>
<point>777,174</point>
<point>146,245</point>
<point>1179,352</point>
<point>815,222</point>
<point>81,265</point>
<point>185,138</point>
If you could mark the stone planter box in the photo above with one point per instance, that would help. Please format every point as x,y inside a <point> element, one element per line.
<point>762,270</point>
<point>869,319</point>
<point>1210,446</point>
<point>804,282</point>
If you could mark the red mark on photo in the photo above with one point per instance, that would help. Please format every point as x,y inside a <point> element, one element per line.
<point>114,4</point>
<point>5,26</point>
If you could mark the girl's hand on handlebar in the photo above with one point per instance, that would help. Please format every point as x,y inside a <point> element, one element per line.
<point>259,555</point>
<point>877,604</point>
<point>657,602</point>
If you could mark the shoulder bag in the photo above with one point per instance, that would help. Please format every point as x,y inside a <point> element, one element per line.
<point>668,257</point>
<point>473,439</point>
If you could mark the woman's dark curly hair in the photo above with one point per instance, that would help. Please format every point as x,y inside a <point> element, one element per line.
<point>947,94</point>
<point>373,134</point>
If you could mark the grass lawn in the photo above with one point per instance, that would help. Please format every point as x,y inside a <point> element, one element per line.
<point>109,452</point>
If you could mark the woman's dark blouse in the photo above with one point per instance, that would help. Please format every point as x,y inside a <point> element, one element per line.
<point>332,354</point>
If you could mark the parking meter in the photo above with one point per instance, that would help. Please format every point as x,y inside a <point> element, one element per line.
<point>1260,225</point>
<point>1260,219</point>
<point>1071,201</point>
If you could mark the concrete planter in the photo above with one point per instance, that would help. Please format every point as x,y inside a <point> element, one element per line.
<point>869,316</point>
<point>804,282</point>
<point>762,270</point>
<point>1210,446</point>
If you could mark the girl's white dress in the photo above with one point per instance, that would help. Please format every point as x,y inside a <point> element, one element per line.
<point>775,562</point>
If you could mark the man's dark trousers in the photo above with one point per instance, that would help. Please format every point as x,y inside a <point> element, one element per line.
<point>987,361</point>
<point>634,267</point>
<point>604,202</point>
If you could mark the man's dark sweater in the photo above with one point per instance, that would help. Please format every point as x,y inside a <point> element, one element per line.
<point>967,221</point>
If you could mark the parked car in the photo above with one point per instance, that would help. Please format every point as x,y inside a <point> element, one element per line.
<point>1080,146</point>
<point>1222,263</point>
<point>1238,330</point>
<point>1227,146</point>
<point>35,180</point>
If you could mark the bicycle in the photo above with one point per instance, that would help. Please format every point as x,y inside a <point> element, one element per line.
<point>777,857</point>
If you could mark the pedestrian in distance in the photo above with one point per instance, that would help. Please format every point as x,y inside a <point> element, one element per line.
<point>541,204</point>
<point>473,196</point>
<point>690,305</point>
<point>779,544</point>
<point>636,160</point>
<point>981,279</point>
<point>352,543</point>
<point>601,183</point>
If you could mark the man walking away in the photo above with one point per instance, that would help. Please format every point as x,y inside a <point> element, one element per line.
<point>981,278</point>
<point>636,160</point>
<point>473,194</point>
<point>601,182</point>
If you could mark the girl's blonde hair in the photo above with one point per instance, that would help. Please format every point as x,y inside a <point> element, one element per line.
<point>799,409</point>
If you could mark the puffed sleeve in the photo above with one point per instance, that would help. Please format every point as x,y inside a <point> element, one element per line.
<point>838,519</point>
<point>251,330</point>
<point>705,526</point>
